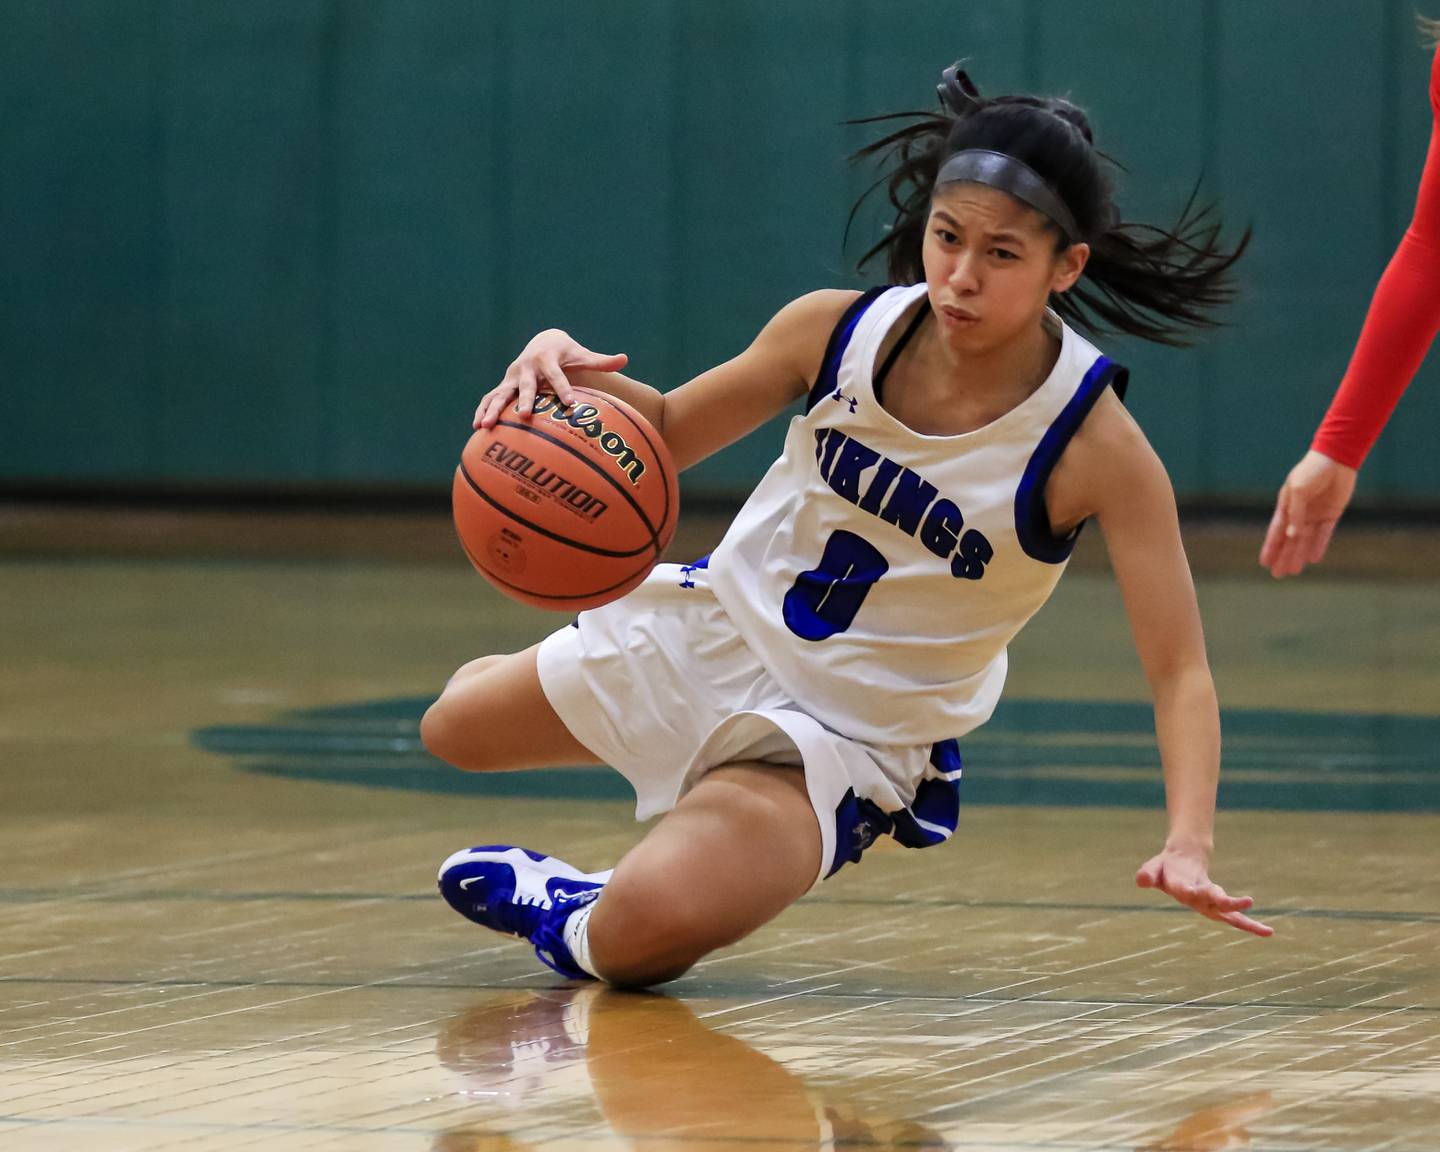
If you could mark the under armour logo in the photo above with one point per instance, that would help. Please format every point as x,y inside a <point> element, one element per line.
<point>685,570</point>
<point>838,395</point>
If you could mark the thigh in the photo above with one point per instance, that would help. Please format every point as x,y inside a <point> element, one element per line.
<point>753,829</point>
<point>493,716</point>
<point>738,849</point>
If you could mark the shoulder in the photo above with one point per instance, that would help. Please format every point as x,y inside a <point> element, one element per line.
<point>1108,461</point>
<point>1111,436</point>
<point>814,312</point>
<point>1110,425</point>
<point>1118,459</point>
<point>799,332</point>
<point>1435,82</point>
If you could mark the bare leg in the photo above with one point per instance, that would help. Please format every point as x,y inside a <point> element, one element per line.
<point>739,848</point>
<point>493,716</point>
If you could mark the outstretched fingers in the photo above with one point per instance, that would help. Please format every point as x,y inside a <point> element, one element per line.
<point>541,367</point>
<point>1244,923</point>
<point>1211,897</point>
<point>551,375</point>
<point>1215,903</point>
<point>1202,895</point>
<point>493,405</point>
<point>597,361</point>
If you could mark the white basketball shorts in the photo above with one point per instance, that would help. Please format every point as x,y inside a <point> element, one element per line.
<point>660,686</point>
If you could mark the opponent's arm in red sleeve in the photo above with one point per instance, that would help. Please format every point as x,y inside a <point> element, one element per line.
<point>1403,319</point>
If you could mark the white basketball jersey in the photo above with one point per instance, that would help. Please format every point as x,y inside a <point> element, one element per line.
<point>879,573</point>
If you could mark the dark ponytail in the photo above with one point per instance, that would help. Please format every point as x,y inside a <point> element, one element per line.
<point>1140,279</point>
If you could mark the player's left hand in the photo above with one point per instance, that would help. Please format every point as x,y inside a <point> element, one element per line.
<point>1185,876</point>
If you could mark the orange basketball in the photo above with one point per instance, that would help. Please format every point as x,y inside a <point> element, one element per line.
<point>569,509</point>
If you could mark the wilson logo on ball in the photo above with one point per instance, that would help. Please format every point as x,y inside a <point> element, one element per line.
<point>568,509</point>
<point>544,479</point>
<point>586,417</point>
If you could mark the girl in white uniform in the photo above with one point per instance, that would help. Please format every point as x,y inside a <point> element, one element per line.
<point>805,689</point>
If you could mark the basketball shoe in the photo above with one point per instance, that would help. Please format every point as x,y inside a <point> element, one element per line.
<point>521,893</point>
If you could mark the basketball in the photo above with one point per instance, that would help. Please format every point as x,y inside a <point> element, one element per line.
<point>570,508</point>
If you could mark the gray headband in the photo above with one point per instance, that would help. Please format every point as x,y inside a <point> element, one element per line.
<point>980,166</point>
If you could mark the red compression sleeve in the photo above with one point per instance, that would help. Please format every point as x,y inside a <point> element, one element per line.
<point>1403,319</point>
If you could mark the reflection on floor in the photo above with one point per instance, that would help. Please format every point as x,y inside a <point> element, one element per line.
<point>218,927</point>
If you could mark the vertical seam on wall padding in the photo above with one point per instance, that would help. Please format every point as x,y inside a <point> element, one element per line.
<point>501,214</point>
<point>850,87</point>
<point>158,339</point>
<point>1034,46</point>
<point>1396,17</point>
<point>1211,48</point>
<point>1396,13</point>
<point>675,303</point>
<point>325,464</point>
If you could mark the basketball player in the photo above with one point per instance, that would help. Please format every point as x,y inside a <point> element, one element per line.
<point>802,691</point>
<point>1403,319</point>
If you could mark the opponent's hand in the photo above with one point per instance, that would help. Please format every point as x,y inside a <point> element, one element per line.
<point>1310,504</point>
<point>541,366</point>
<point>1185,876</point>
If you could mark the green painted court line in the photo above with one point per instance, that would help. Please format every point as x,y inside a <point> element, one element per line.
<point>1052,753</point>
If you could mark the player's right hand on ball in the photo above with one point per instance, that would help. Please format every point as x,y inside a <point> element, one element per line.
<point>541,367</point>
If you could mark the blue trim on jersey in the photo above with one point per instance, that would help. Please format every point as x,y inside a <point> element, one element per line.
<point>839,341</point>
<point>1032,521</point>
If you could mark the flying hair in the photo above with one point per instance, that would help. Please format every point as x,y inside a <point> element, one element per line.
<point>1143,280</point>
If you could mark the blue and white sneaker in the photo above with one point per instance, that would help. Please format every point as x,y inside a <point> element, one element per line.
<point>521,893</point>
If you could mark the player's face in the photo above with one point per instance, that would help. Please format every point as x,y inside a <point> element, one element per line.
<point>991,264</point>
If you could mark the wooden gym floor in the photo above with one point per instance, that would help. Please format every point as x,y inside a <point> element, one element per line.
<point>218,838</point>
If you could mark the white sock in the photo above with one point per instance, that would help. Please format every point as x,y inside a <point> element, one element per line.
<point>577,938</point>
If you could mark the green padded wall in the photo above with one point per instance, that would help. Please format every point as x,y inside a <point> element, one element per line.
<point>286,244</point>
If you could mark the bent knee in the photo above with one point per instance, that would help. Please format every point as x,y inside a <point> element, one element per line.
<point>441,732</point>
<point>645,932</point>
<point>450,725</point>
<point>638,949</point>
<point>637,974</point>
<point>452,728</point>
<point>435,729</point>
<point>475,667</point>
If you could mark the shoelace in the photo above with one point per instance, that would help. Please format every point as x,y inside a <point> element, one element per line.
<point>517,913</point>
